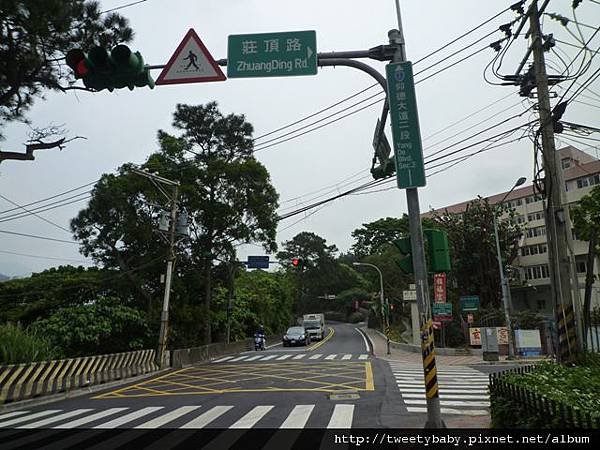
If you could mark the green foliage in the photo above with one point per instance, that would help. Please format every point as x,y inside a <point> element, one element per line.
<point>104,326</point>
<point>23,346</point>
<point>35,36</point>
<point>372,237</point>
<point>356,317</point>
<point>572,386</point>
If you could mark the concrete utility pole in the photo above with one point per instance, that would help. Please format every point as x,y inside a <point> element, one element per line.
<point>164,317</point>
<point>434,418</point>
<point>556,216</point>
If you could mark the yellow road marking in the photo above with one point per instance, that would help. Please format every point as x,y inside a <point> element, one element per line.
<point>318,344</point>
<point>369,386</point>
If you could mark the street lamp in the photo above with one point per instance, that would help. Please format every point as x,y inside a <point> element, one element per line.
<point>384,318</point>
<point>503,279</point>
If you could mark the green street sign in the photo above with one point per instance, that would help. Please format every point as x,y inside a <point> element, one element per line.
<point>408,151</point>
<point>285,54</point>
<point>469,303</point>
<point>442,309</point>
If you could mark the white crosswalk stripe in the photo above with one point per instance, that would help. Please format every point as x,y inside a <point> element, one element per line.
<point>291,356</point>
<point>300,356</point>
<point>254,358</point>
<point>316,356</point>
<point>223,359</point>
<point>187,417</point>
<point>331,356</point>
<point>347,357</point>
<point>12,414</point>
<point>463,390</point>
<point>239,358</point>
<point>363,356</point>
<point>281,358</point>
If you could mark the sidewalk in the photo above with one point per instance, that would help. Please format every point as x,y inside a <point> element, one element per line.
<point>380,350</point>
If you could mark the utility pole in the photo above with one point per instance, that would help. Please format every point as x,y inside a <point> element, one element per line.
<point>164,316</point>
<point>434,418</point>
<point>556,216</point>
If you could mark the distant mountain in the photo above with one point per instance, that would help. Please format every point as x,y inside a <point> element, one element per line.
<point>4,277</point>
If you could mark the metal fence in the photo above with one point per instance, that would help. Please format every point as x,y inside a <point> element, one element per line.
<point>515,406</point>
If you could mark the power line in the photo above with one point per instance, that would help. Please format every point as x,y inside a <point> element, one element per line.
<point>123,6</point>
<point>53,196</point>
<point>44,257</point>
<point>38,237</point>
<point>46,208</point>
<point>36,215</point>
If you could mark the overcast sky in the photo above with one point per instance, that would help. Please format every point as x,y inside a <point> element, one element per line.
<point>122,126</point>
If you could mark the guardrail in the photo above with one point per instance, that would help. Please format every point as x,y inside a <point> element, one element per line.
<point>23,381</point>
<point>515,406</point>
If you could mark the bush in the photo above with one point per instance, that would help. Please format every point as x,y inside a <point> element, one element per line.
<point>103,327</point>
<point>336,316</point>
<point>19,346</point>
<point>356,317</point>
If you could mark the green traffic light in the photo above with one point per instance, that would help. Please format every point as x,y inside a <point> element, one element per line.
<point>405,248</point>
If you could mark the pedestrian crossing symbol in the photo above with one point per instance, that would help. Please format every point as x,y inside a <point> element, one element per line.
<point>191,63</point>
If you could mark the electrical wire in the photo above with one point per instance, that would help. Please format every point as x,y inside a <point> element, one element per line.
<point>36,215</point>
<point>52,197</point>
<point>38,237</point>
<point>44,257</point>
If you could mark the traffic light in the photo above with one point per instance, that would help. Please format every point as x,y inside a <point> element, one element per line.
<point>118,69</point>
<point>384,170</point>
<point>295,262</point>
<point>406,263</point>
<point>438,254</point>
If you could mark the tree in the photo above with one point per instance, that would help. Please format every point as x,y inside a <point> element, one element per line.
<point>34,38</point>
<point>373,236</point>
<point>586,219</point>
<point>311,249</point>
<point>225,191</point>
<point>473,249</point>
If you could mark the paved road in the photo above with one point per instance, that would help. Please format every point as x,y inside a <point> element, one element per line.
<point>335,383</point>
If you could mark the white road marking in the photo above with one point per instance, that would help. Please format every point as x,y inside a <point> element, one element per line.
<point>443,395</point>
<point>88,419</point>
<point>239,358</point>
<point>12,414</point>
<point>254,358</point>
<point>250,419</point>
<point>222,359</point>
<point>341,417</point>
<point>299,356</point>
<point>44,422</point>
<point>448,403</point>
<point>298,417</point>
<point>331,356</point>
<point>128,417</point>
<point>47,412</point>
<point>266,358</point>
<point>460,412</point>
<point>363,356</point>
<point>204,419</point>
<point>284,357</point>
<point>169,417</point>
<point>316,356</point>
<point>346,356</point>
<point>364,339</point>
<point>448,391</point>
<point>411,382</point>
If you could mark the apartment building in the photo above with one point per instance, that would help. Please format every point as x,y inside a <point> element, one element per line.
<point>530,288</point>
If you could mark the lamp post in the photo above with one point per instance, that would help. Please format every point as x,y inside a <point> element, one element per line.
<point>503,279</point>
<point>384,317</point>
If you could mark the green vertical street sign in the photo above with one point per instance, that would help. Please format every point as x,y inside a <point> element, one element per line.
<point>469,302</point>
<point>285,54</point>
<point>408,151</point>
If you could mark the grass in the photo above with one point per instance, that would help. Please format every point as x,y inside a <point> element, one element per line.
<point>20,346</point>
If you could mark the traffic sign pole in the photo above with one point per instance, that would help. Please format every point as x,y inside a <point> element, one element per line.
<point>434,418</point>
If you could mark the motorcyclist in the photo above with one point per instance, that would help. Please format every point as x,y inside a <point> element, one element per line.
<point>260,333</point>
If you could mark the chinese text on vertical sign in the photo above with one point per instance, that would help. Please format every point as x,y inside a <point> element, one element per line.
<point>408,151</point>
<point>439,287</point>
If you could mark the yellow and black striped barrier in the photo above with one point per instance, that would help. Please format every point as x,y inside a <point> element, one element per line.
<point>23,381</point>
<point>428,349</point>
<point>567,339</point>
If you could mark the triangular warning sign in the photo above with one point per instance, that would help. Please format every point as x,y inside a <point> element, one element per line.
<point>191,63</point>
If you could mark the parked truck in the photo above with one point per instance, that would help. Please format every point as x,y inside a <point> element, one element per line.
<point>314,324</point>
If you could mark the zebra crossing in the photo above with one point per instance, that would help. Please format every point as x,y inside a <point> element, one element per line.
<point>463,390</point>
<point>291,357</point>
<point>337,415</point>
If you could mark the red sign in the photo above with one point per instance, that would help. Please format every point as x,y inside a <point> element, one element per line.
<point>439,287</point>
<point>469,318</point>
<point>437,324</point>
<point>191,63</point>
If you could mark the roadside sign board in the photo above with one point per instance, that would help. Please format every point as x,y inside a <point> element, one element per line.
<point>437,324</point>
<point>258,262</point>
<point>409,295</point>
<point>475,336</point>
<point>469,303</point>
<point>408,150</point>
<point>442,311</point>
<point>439,287</point>
<point>191,63</point>
<point>285,54</point>
<point>502,333</point>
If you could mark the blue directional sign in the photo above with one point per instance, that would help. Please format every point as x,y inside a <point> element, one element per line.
<point>258,262</point>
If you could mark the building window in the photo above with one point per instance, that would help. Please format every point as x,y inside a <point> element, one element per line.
<point>581,267</point>
<point>566,163</point>
<point>537,249</point>
<point>533,198</point>
<point>535,216</point>
<point>588,181</point>
<point>537,272</point>
<point>536,231</point>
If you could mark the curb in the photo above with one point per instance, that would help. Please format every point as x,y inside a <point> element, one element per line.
<point>368,338</point>
<point>76,393</point>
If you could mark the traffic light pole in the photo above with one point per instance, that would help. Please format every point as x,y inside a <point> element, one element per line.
<point>434,418</point>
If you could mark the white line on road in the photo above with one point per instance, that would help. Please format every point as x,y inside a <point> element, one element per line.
<point>413,382</point>
<point>254,358</point>
<point>449,403</point>
<point>166,418</point>
<point>266,358</point>
<point>204,419</point>
<point>8,423</point>
<point>448,391</point>
<point>299,356</point>
<point>222,359</point>
<point>239,358</point>
<point>331,356</point>
<point>316,356</point>
<point>346,356</point>
<point>363,356</point>
<point>252,417</point>
<point>12,414</point>
<point>364,339</point>
<point>44,422</point>
<point>341,417</point>
<point>460,412</point>
<point>298,417</point>
<point>128,417</point>
<point>443,395</point>
<point>284,357</point>
<point>89,419</point>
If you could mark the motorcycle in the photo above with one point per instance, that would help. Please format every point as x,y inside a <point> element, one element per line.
<point>259,342</point>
